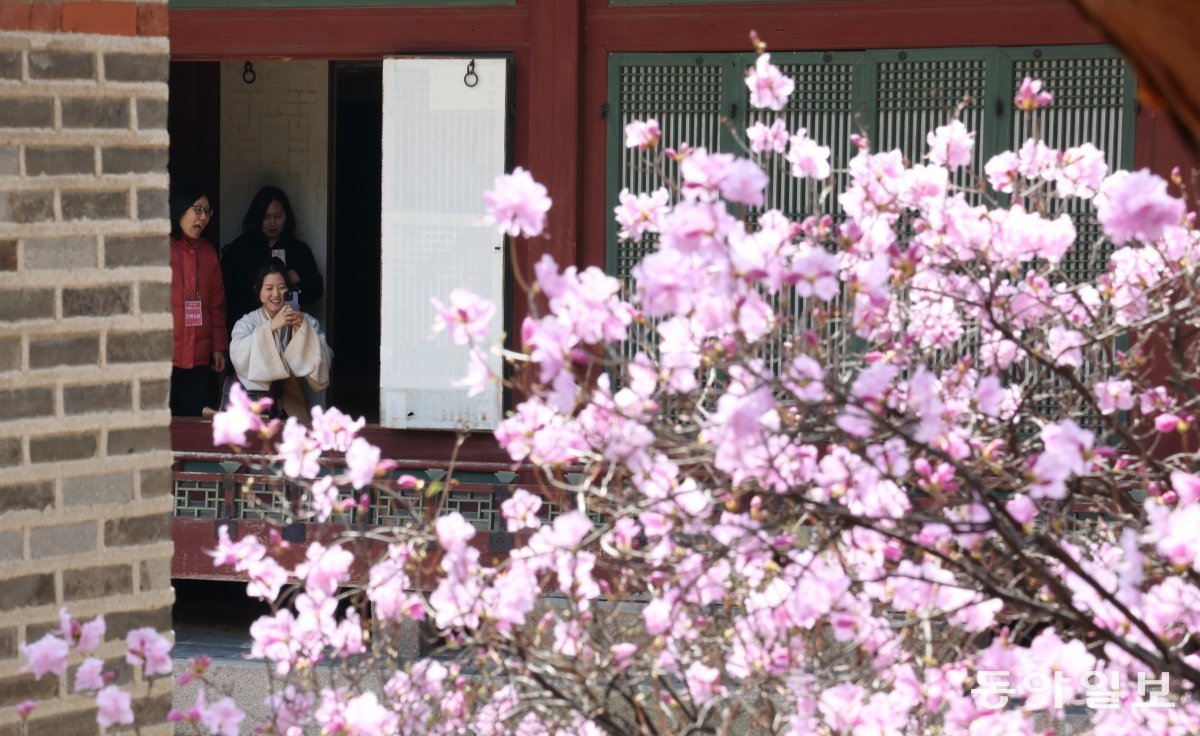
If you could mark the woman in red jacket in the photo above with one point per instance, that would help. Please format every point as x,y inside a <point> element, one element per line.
<point>196,293</point>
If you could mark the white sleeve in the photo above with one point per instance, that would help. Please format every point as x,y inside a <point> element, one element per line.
<point>308,354</point>
<point>255,354</point>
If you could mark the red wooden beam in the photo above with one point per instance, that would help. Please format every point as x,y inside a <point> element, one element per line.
<point>343,33</point>
<point>837,24</point>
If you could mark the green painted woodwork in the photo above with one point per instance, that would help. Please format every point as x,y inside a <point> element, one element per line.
<point>894,96</point>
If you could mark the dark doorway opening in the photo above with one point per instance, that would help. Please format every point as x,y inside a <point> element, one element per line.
<point>356,153</point>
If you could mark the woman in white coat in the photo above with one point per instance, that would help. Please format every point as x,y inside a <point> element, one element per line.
<point>277,349</point>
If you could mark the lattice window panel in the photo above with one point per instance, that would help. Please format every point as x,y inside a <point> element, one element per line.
<point>479,508</point>
<point>899,96</point>
<point>687,101</point>
<point>198,499</point>
<point>264,500</point>
<point>1090,106</point>
<point>397,508</point>
<point>825,104</point>
<point>915,96</point>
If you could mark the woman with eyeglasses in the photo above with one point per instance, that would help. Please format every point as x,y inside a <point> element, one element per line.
<point>197,289</point>
<point>268,231</point>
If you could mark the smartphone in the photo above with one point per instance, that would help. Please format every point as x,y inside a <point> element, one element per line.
<point>293,299</point>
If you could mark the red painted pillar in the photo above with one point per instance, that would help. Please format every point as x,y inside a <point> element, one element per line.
<point>553,107</point>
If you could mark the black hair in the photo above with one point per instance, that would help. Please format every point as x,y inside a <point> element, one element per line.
<point>183,196</point>
<point>266,269</point>
<point>252,222</point>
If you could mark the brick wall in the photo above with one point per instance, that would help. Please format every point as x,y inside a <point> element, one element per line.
<point>276,131</point>
<point>85,338</point>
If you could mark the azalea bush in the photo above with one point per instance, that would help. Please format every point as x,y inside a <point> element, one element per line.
<point>884,469</point>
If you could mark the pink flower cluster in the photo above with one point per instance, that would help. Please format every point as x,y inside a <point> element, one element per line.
<point>835,459</point>
<point>51,655</point>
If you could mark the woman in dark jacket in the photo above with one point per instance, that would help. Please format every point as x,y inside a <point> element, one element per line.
<point>268,231</point>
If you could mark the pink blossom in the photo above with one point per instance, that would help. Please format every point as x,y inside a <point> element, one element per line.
<point>115,707</point>
<point>454,531</point>
<point>703,682</point>
<point>325,569</point>
<point>640,214</point>
<point>762,138</point>
<point>1002,171</point>
<point>466,319</point>
<point>149,648</point>
<point>235,553</point>
<point>267,577</point>
<point>703,173</point>
<point>951,145</point>
<point>242,415</point>
<point>223,717</point>
<point>622,654</point>
<point>623,536</point>
<point>1114,395</point>
<point>1174,534</point>
<point>990,396</point>
<point>325,499</point>
<point>1187,487</point>
<point>815,271</point>
<point>298,452</point>
<point>806,379</point>
<point>744,183</point>
<point>91,635</point>
<point>1036,160</point>
<point>1168,422</point>
<point>1081,171</point>
<point>642,135</point>
<point>769,87</point>
<point>479,373</point>
<point>657,616</point>
<point>1031,96</point>
<point>89,675</point>
<point>842,707</point>
<point>567,532</point>
<point>363,465</point>
<point>520,511</point>
<point>807,157</point>
<point>333,430</point>
<point>1022,509</point>
<point>47,655</point>
<point>25,707</point>
<point>1067,449</point>
<point>518,204</point>
<point>1136,205</point>
<point>1065,347</point>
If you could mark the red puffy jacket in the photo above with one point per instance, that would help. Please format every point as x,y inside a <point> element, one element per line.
<point>195,269</point>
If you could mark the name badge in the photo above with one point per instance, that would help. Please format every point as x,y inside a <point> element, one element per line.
<point>193,313</point>
<point>279,253</point>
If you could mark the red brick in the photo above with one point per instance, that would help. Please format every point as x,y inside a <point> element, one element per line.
<point>152,20</point>
<point>113,19</point>
<point>14,15</point>
<point>45,17</point>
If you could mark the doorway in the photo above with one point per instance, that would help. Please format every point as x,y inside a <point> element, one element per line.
<point>356,152</point>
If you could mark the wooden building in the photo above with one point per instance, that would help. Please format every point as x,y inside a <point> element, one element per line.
<point>353,108</point>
